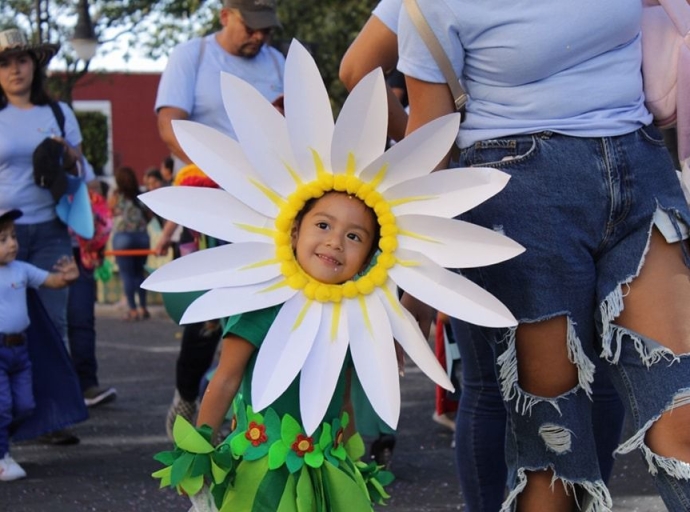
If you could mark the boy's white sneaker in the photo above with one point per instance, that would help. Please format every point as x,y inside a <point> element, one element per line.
<point>10,470</point>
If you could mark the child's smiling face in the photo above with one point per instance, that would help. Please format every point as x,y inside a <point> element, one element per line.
<point>334,239</point>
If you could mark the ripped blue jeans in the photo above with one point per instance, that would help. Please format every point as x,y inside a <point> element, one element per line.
<point>584,208</point>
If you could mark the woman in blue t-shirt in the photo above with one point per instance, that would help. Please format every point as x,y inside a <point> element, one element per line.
<point>556,101</point>
<point>26,120</point>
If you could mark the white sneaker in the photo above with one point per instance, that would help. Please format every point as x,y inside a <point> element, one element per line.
<point>10,470</point>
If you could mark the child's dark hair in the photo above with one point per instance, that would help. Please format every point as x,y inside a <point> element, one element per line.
<point>154,173</point>
<point>5,223</point>
<point>309,205</point>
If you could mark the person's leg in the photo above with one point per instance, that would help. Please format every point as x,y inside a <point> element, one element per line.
<point>643,292</point>
<point>5,401</point>
<point>21,385</point>
<point>608,414</point>
<point>127,268</point>
<point>480,423</point>
<point>43,245</point>
<point>141,241</point>
<point>545,370</point>
<point>12,359</point>
<point>141,292</point>
<point>196,356</point>
<point>445,347</point>
<point>545,365</point>
<point>650,344</point>
<point>81,328</point>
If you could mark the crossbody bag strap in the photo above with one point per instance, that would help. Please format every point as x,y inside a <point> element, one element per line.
<point>431,41</point>
<point>59,116</point>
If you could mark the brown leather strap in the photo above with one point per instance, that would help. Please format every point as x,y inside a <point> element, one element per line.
<point>12,340</point>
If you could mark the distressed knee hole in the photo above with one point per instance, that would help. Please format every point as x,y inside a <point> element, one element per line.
<point>532,378</point>
<point>664,441</point>
<point>592,496</point>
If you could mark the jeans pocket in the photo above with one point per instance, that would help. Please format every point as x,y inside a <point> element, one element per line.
<point>501,152</point>
<point>652,135</point>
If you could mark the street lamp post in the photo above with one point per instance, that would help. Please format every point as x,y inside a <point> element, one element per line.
<point>84,39</point>
<point>41,7</point>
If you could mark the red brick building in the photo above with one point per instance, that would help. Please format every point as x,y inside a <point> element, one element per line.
<point>127,99</point>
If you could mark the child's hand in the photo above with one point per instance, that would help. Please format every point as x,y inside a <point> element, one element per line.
<point>67,267</point>
<point>70,156</point>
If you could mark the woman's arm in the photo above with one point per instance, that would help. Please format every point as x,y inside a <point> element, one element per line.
<point>221,391</point>
<point>428,101</point>
<point>375,46</point>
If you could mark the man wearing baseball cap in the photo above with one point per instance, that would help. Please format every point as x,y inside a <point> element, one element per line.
<point>256,14</point>
<point>190,89</point>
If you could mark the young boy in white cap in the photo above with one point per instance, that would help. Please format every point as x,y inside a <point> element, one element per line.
<point>16,395</point>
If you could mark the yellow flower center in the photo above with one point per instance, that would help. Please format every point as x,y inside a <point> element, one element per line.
<point>376,276</point>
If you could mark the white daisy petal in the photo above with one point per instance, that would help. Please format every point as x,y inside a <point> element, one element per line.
<point>262,132</point>
<point>453,243</point>
<point>308,109</point>
<point>448,292</point>
<point>362,124</point>
<point>223,160</point>
<point>446,193</point>
<point>417,154</point>
<point>210,211</point>
<point>284,350</point>
<point>222,302</point>
<point>373,354</point>
<point>407,333</point>
<point>323,366</point>
<point>220,267</point>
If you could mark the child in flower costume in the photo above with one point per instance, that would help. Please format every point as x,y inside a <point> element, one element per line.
<point>334,237</point>
<point>299,316</point>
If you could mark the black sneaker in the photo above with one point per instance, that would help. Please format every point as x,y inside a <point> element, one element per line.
<point>382,450</point>
<point>97,396</point>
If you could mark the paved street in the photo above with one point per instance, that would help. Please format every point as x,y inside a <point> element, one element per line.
<point>109,471</point>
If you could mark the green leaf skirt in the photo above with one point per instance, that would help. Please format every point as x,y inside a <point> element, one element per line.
<point>268,464</point>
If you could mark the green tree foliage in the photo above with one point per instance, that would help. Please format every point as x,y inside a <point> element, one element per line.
<point>156,26</point>
<point>94,131</point>
<point>329,27</point>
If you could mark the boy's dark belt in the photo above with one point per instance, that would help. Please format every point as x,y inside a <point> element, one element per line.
<point>12,340</point>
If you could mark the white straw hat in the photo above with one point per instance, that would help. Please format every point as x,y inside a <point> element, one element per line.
<point>13,41</point>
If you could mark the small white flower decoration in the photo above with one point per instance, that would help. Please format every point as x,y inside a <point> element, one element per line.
<point>280,163</point>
